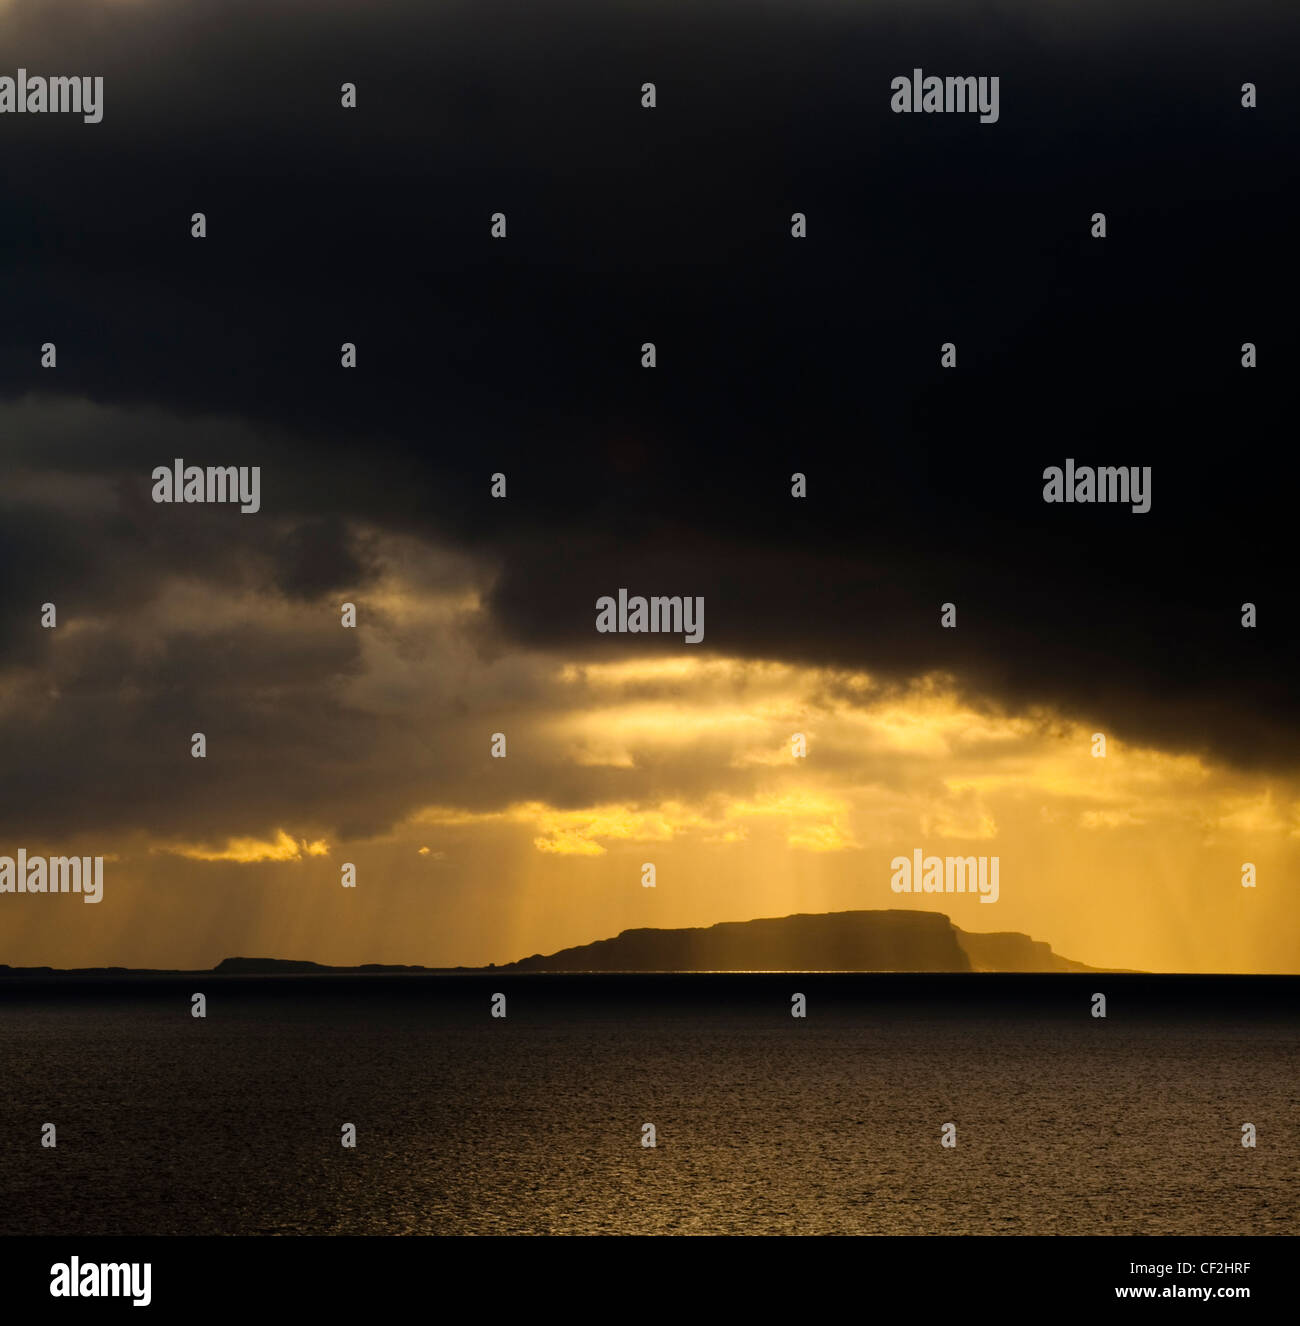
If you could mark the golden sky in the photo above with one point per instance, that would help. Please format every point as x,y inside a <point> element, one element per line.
<point>681,759</point>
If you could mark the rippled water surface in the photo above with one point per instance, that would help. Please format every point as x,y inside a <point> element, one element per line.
<point>533,1123</point>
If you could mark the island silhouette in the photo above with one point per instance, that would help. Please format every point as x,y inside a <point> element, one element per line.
<point>896,940</point>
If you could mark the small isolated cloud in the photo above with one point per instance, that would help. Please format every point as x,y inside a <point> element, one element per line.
<point>246,851</point>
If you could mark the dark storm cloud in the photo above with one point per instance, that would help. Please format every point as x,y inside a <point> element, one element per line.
<point>319,556</point>
<point>673,225</point>
<point>79,529</point>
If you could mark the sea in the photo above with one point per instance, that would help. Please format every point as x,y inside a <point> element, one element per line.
<point>650,1104</point>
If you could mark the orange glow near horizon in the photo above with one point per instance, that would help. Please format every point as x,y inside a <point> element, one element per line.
<point>1133,860</point>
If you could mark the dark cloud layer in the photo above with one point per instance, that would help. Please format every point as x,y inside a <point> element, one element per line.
<point>671,225</point>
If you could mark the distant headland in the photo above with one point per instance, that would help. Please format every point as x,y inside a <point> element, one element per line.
<point>858,941</point>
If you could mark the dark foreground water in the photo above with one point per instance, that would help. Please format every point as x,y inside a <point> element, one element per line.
<point>765,1123</point>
